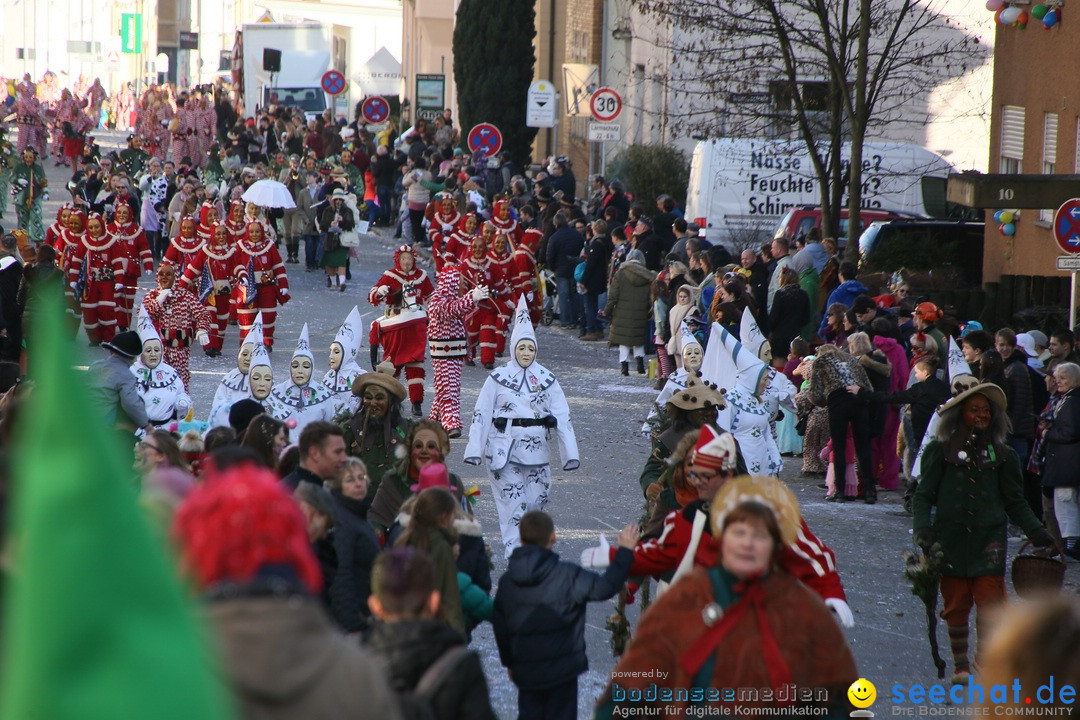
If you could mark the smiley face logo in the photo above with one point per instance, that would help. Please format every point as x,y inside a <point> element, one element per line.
<point>862,693</point>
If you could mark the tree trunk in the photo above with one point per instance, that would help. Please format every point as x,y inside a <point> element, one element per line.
<point>858,132</point>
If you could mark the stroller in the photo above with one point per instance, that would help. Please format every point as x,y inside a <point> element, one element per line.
<point>551,295</point>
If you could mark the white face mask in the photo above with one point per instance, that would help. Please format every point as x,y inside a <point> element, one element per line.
<point>151,354</point>
<point>243,358</point>
<point>337,355</point>
<point>691,357</point>
<point>301,370</point>
<point>525,353</point>
<point>262,381</point>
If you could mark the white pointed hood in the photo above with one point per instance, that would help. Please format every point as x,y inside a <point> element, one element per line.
<point>728,362</point>
<point>259,357</point>
<point>303,346</point>
<point>523,328</point>
<point>957,364</point>
<point>752,337</point>
<point>348,335</point>
<point>255,334</point>
<point>145,327</point>
<point>688,338</point>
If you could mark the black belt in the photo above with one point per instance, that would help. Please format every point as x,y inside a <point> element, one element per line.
<point>166,421</point>
<point>548,422</point>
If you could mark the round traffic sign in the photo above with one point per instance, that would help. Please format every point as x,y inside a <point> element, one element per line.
<point>333,82</point>
<point>1067,226</point>
<point>606,104</point>
<point>485,138</point>
<point>375,109</point>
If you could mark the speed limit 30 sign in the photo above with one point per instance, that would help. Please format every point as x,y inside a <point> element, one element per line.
<point>606,104</point>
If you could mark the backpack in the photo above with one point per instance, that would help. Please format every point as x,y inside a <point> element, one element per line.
<point>416,705</point>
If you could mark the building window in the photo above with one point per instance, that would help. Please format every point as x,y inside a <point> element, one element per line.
<point>1012,139</point>
<point>1049,155</point>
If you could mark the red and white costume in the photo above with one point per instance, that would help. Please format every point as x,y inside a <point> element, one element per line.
<point>234,222</point>
<point>68,240</point>
<point>444,220</point>
<point>402,331</point>
<point>448,345</point>
<point>504,223</point>
<point>183,139</point>
<point>69,109</point>
<point>526,281</point>
<point>483,323</point>
<point>218,268</point>
<point>184,248</point>
<point>271,282</point>
<point>52,233</point>
<point>30,117</point>
<point>97,266</point>
<point>208,218</point>
<point>205,124</point>
<point>457,244</point>
<point>807,558</point>
<point>502,292</point>
<point>135,250</point>
<point>179,318</point>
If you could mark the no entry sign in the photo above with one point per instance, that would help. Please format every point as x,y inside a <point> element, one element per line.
<point>375,110</point>
<point>1067,226</point>
<point>333,82</point>
<point>485,138</point>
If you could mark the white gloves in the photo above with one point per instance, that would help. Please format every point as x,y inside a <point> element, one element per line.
<point>480,293</point>
<point>119,287</point>
<point>597,557</point>
<point>283,291</point>
<point>148,273</point>
<point>74,285</point>
<point>202,337</point>
<point>382,292</point>
<point>448,228</point>
<point>842,610</point>
<point>162,294</point>
<point>23,182</point>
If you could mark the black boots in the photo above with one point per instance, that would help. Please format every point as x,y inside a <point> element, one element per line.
<point>871,493</point>
<point>374,356</point>
<point>417,410</point>
<point>640,365</point>
<point>625,368</point>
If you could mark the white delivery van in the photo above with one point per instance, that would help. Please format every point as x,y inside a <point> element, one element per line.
<point>304,58</point>
<point>740,187</point>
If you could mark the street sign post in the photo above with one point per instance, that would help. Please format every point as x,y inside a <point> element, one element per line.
<point>333,82</point>
<point>375,109</point>
<point>606,104</point>
<point>130,32</point>
<point>541,105</point>
<point>1067,236</point>
<point>430,96</point>
<point>485,138</point>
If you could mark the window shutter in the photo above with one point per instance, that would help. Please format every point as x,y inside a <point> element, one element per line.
<point>1050,132</point>
<point>1012,132</point>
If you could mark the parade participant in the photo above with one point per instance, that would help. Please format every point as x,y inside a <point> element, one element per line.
<point>377,429</point>
<point>444,219</point>
<point>205,127</point>
<point>179,318</point>
<point>402,331</point>
<point>448,343</point>
<point>520,403</point>
<point>526,281</point>
<point>504,224</point>
<point>973,487</point>
<point>743,622</point>
<point>502,288</point>
<point>68,241</point>
<point>479,272</point>
<point>459,243</point>
<point>271,284</point>
<point>337,217</point>
<point>30,118</point>
<point>135,251</point>
<point>234,221</point>
<point>28,185</point>
<point>184,148</point>
<point>7,159</point>
<point>113,389</point>
<point>261,378</point>
<point>343,368</point>
<point>52,233</point>
<point>208,218</point>
<point>218,267</point>
<point>160,385</point>
<point>184,248</point>
<point>692,355</point>
<point>301,398</point>
<point>95,271</point>
<point>95,97</point>
<point>70,127</point>
<point>133,158</point>
<point>235,386</point>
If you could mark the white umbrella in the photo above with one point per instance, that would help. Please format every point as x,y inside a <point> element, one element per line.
<point>269,194</point>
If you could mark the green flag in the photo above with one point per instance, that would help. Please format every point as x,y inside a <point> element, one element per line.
<point>96,625</point>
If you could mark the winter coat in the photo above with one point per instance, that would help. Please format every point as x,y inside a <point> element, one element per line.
<point>629,304</point>
<point>653,248</point>
<point>323,676</point>
<point>37,282</point>
<point>563,251</point>
<point>845,294</point>
<point>1063,443</point>
<point>834,370</point>
<point>406,649</point>
<point>1017,389</point>
<point>441,552</point>
<point>879,372</point>
<point>972,509</point>
<point>924,398</point>
<point>356,546</point>
<point>596,263</point>
<point>540,614</point>
<point>790,311</point>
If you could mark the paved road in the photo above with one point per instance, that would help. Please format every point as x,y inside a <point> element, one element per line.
<point>889,639</point>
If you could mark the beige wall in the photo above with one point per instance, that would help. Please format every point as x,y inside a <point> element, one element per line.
<point>427,46</point>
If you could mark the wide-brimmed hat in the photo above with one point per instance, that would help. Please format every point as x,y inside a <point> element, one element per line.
<point>992,392</point>
<point>384,378</point>
<point>126,343</point>
<point>339,194</point>
<point>767,491</point>
<point>544,194</point>
<point>697,395</point>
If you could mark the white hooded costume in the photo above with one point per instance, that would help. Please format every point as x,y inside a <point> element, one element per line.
<point>958,370</point>
<point>515,413</point>
<point>302,403</point>
<point>234,386</point>
<point>160,387</point>
<point>730,365</point>
<point>676,381</point>
<point>780,391</point>
<point>340,381</point>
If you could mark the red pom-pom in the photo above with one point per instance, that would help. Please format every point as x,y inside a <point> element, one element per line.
<point>291,423</point>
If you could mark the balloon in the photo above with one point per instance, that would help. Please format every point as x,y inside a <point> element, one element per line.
<point>997,217</point>
<point>291,423</point>
<point>1050,19</point>
<point>1009,15</point>
<point>1022,19</point>
<point>1008,229</point>
<point>994,5</point>
<point>1006,217</point>
<point>1038,11</point>
<point>997,16</point>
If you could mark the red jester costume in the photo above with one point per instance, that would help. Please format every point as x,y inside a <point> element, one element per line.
<point>184,248</point>
<point>68,240</point>
<point>525,279</point>
<point>480,272</point>
<point>502,272</point>
<point>444,221</point>
<point>271,283</point>
<point>218,268</point>
<point>504,223</point>
<point>95,271</point>
<point>135,251</point>
<point>402,330</point>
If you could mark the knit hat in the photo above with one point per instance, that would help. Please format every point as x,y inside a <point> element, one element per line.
<point>303,345</point>
<point>383,377</point>
<point>239,522</point>
<point>768,491</point>
<point>715,449</point>
<point>432,475</point>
